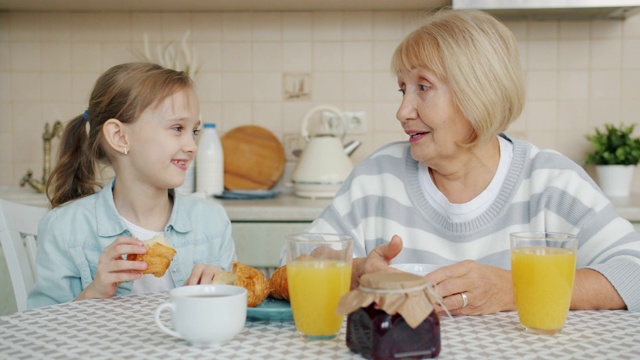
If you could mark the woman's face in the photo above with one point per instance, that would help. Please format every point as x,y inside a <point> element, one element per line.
<point>430,117</point>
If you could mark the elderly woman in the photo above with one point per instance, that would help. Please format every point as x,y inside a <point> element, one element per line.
<point>454,192</point>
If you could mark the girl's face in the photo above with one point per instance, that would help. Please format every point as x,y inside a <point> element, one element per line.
<point>430,117</point>
<point>163,140</point>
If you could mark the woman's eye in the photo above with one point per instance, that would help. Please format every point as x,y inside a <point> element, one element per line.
<point>196,132</point>
<point>177,128</point>
<point>402,91</point>
<point>423,87</point>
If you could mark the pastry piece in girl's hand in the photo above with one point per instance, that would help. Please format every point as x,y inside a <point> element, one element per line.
<point>249,278</point>
<point>158,256</point>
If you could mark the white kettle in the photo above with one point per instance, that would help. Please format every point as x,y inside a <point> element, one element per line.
<point>324,164</point>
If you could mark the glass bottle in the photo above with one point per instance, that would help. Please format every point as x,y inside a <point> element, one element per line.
<point>210,162</point>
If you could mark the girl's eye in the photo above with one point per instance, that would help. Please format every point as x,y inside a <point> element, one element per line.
<point>423,87</point>
<point>196,132</point>
<point>402,91</point>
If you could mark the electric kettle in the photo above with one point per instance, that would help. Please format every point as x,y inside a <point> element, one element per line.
<point>324,164</point>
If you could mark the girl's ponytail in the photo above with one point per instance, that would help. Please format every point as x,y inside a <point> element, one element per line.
<point>74,174</point>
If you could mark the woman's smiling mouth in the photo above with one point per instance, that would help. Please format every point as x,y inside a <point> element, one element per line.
<point>416,136</point>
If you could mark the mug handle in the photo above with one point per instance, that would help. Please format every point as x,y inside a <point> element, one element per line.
<point>160,324</point>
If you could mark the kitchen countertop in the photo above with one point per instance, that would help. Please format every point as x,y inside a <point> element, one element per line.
<point>628,208</point>
<point>283,207</point>
<point>289,208</point>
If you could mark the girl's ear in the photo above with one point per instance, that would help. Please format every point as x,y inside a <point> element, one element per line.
<point>114,133</point>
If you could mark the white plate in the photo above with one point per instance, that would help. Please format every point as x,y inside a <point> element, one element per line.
<point>418,269</point>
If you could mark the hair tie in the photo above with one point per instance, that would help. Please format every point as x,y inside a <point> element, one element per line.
<point>85,115</point>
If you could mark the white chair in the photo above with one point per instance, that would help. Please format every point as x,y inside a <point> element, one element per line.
<point>18,232</point>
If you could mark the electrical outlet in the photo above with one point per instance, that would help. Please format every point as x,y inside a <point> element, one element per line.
<point>355,122</point>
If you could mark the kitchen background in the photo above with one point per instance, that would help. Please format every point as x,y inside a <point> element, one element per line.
<point>579,74</point>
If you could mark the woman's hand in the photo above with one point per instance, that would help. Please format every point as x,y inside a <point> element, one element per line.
<point>113,269</point>
<point>488,289</point>
<point>202,274</point>
<point>377,260</point>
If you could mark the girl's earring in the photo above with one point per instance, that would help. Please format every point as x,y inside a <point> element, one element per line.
<point>126,151</point>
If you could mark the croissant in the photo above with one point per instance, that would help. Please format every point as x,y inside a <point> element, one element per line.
<point>278,284</point>
<point>249,278</point>
<point>158,256</point>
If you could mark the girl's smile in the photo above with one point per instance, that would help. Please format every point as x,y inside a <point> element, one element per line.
<point>181,164</point>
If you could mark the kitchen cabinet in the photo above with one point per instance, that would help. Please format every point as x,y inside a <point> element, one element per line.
<point>259,227</point>
<point>260,244</point>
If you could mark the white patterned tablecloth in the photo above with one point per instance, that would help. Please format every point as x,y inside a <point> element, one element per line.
<point>123,328</point>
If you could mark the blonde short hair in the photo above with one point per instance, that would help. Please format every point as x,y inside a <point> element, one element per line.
<point>478,57</point>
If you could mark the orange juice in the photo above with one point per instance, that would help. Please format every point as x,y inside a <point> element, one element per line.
<point>543,284</point>
<point>315,287</point>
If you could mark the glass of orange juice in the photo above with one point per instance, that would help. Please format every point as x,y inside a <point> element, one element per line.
<point>318,274</point>
<point>543,267</point>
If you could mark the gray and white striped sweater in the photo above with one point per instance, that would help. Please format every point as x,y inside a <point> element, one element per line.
<point>543,191</point>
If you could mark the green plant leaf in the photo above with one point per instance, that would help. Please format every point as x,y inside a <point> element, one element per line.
<point>614,146</point>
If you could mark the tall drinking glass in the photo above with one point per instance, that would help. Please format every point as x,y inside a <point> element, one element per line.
<point>543,267</point>
<point>318,273</point>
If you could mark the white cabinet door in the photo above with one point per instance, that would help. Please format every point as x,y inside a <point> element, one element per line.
<point>259,244</point>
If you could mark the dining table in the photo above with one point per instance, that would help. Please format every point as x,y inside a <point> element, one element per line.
<point>123,327</point>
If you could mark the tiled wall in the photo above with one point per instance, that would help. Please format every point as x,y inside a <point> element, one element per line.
<point>580,74</point>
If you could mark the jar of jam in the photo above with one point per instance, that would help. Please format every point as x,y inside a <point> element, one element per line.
<point>391,316</point>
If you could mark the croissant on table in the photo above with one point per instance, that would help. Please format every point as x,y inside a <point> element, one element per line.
<point>278,284</point>
<point>249,278</point>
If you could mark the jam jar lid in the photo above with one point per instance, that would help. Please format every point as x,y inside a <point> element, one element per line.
<point>395,293</point>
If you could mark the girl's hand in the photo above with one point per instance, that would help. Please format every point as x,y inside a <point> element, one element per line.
<point>377,260</point>
<point>202,274</point>
<point>488,289</point>
<point>113,269</point>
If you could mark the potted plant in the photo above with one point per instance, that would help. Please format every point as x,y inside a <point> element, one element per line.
<point>615,154</point>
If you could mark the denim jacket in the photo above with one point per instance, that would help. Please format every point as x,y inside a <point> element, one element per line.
<point>72,237</point>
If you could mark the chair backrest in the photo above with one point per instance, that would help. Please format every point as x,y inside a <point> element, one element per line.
<point>18,232</point>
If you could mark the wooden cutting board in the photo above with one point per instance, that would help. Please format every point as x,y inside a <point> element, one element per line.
<point>253,158</point>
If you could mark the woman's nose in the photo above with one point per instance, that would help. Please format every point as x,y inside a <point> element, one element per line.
<point>407,110</point>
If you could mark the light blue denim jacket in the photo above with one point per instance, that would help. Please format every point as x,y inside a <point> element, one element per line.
<point>72,237</point>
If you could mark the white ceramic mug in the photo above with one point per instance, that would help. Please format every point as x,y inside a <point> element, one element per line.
<point>205,315</point>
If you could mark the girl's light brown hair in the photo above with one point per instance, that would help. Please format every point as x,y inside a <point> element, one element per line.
<point>123,92</point>
<point>478,57</point>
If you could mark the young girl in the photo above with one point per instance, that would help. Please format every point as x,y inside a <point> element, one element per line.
<point>142,120</point>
